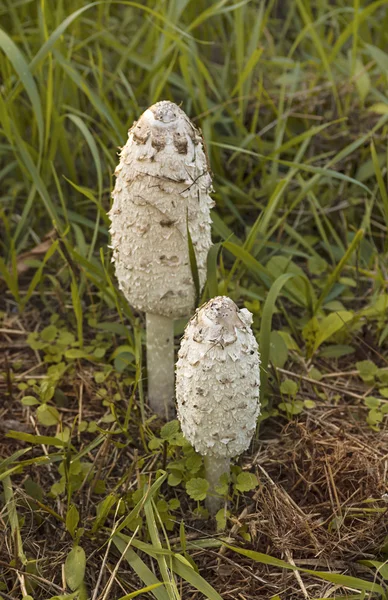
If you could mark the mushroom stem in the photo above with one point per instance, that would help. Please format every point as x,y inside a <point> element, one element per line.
<point>215,467</point>
<point>160,364</point>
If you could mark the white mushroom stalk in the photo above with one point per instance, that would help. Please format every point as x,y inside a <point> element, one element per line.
<point>217,387</point>
<point>162,189</point>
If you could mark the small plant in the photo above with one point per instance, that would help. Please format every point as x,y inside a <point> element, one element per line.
<point>218,382</point>
<point>161,232</point>
<point>185,467</point>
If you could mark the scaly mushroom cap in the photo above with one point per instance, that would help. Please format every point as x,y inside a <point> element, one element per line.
<point>162,185</point>
<point>218,379</point>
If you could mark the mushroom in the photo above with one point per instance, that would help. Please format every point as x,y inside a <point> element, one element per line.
<point>217,387</point>
<point>162,191</point>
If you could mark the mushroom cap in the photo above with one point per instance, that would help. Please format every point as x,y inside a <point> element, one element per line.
<point>162,187</point>
<point>218,379</point>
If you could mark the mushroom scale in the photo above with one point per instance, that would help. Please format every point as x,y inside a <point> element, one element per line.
<point>218,379</point>
<point>162,186</point>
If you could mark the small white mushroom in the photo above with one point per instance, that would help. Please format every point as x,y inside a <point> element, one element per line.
<point>162,188</point>
<point>217,386</point>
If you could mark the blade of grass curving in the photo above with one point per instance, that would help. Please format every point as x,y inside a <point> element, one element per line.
<point>223,230</point>
<point>9,472</point>
<point>183,568</point>
<point>193,264</point>
<point>13,458</point>
<point>141,569</point>
<point>25,214</point>
<point>311,132</point>
<point>47,47</point>
<point>148,588</point>
<point>381,184</point>
<point>363,15</point>
<point>347,581</point>
<point>90,196</point>
<point>212,258</point>
<point>213,10</point>
<point>337,270</point>
<point>36,179</point>
<point>148,495</point>
<point>21,67</point>
<point>167,576</point>
<point>92,147</point>
<point>35,439</point>
<point>94,99</point>
<point>77,307</point>
<point>261,225</point>
<point>180,565</point>
<point>10,280</point>
<point>252,264</point>
<point>301,166</point>
<point>320,50</point>
<point>247,70</point>
<point>38,274</point>
<point>13,518</point>
<point>266,324</point>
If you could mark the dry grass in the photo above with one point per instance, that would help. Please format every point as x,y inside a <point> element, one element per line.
<point>318,505</point>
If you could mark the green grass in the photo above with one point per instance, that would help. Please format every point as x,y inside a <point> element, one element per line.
<point>291,98</point>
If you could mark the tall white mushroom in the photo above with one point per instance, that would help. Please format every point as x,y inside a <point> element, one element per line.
<point>162,189</point>
<point>217,386</point>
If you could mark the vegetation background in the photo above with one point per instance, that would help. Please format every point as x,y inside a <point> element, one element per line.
<point>99,499</point>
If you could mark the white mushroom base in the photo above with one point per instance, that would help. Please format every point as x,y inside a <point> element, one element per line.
<point>215,467</point>
<point>160,364</point>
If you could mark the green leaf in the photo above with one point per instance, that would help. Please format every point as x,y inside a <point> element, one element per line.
<point>193,463</point>
<point>367,370</point>
<point>374,417</point>
<point>33,489</point>
<point>221,518</point>
<point>197,488</point>
<point>59,487</point>
<point>72,519</point>
<point>48,334</point>
<point>174,478</point>
<point>103,510</point>
<point>169,430</point>
<point>246,482</point>
<point>74,353</point>
<point>47,415</point>
<point>35,439</point>
<point>29,401</point>
<point>123,356</point>
<point>75,565</point>
<point>223,485</point>
<point>336,351</point>
<point>309,404</point>
<point>289,387</point>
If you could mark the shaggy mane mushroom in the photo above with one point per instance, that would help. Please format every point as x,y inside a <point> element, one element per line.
<point>162,190</point>
<point>217,386</point>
